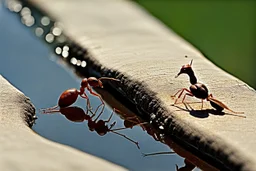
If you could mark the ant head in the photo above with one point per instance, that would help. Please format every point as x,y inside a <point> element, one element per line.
<point>94,82</point>
<point>101,128</point>
<point>185,69</point>
<point>84,83</point>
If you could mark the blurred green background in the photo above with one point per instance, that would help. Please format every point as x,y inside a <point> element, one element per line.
<point>224,31</point>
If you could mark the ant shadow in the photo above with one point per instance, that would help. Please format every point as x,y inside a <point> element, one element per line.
<point>203,113</point>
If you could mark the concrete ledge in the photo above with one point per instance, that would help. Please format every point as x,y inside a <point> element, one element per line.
<point>118,39</point>
<point>22,149</point>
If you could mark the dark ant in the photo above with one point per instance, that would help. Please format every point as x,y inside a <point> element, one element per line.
<point>199,90</point>
<point>69,96</point>
<point>76,114</point>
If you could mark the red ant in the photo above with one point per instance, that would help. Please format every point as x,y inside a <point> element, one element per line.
<point>199,90</point>
<point>76,114</point>
<point>69,96</point>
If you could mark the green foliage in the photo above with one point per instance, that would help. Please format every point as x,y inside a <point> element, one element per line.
<point>225,31</point>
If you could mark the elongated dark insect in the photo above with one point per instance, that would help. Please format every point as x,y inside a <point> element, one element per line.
<point>199,90</point>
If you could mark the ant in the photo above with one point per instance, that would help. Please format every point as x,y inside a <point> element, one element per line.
<point>76,114</point>
<point>69,96</point>
<point>199,90</point>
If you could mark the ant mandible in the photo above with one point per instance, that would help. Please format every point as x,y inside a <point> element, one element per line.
<point>77,114</point>
<point>199,90</point>
<point>69,96</point>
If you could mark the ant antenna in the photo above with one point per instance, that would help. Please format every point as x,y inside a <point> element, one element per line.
<point>108,78</point>
<point>157,153</point>
<point>191,62</point>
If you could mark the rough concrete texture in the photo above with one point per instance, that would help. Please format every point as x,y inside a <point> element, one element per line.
<point>22,149</point>
<point>124,38</point>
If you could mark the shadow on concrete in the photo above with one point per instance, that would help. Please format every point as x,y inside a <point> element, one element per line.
<point>204,113</point>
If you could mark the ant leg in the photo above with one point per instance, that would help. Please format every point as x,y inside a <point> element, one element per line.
<point>176,93</point>
<point>118,129</point>
<point>187,105</point>
<point>99,113</point>
<point>108,78</point>
<point>158,153</point>
<point>181,91</point>
<point>184,89</point>
<point>135,142</point>
<point>95,94</point>
<point>87,102</point>
<point>49,109</point>
<point>111,126</point>
<point>202,104</point>
<point>99,96</point>
<point>103,106</point>
<point>110,116</point>
<point>93,113</point>
<point>187,94</point>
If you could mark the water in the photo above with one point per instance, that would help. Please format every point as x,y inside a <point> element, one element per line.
<point>32,67</point>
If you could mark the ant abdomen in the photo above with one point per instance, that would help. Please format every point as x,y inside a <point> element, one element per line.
<point>68,97</point>
<point>199,90</point>
<point>74,114</point>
